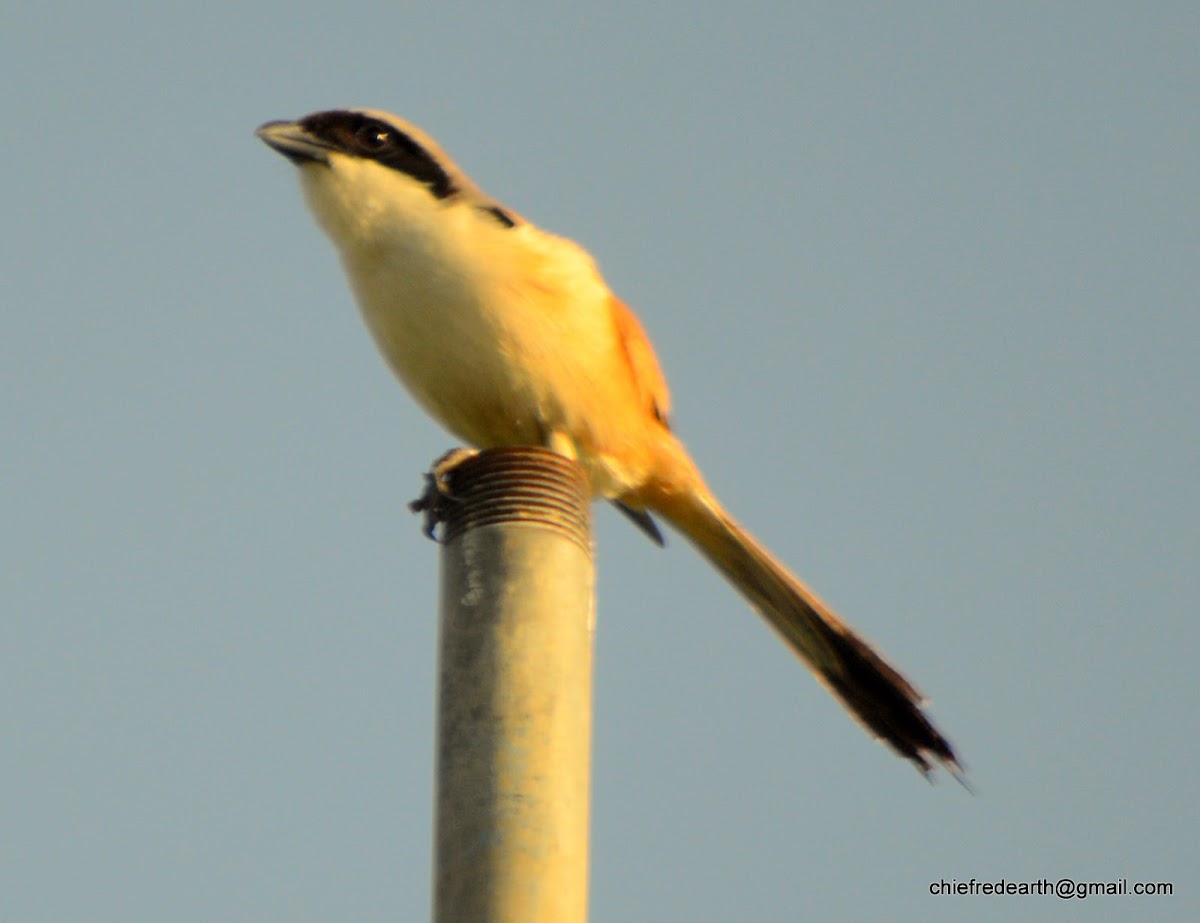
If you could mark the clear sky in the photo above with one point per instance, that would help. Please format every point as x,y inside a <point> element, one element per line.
<point>925,279</point>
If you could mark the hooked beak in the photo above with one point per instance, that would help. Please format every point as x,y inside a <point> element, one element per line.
<point>294,143</point>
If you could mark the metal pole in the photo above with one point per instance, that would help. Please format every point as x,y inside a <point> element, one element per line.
<point>515,692</point>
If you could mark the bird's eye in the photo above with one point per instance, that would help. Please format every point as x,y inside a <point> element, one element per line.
<point>372,137</point>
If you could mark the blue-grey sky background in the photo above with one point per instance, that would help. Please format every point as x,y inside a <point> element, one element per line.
<point>925,279</point>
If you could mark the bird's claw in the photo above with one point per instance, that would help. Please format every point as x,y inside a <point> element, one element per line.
<point>438,495</point>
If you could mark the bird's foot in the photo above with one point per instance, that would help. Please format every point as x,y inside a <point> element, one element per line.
<point>438,494</point>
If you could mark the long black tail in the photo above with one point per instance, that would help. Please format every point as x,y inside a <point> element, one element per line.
<point>870,688</point>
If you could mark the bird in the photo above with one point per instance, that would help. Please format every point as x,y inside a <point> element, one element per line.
<point>508,335</point>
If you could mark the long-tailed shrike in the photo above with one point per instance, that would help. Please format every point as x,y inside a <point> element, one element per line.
<point>508,335</point>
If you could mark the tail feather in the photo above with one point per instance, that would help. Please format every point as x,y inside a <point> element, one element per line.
<point>872,690</point>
